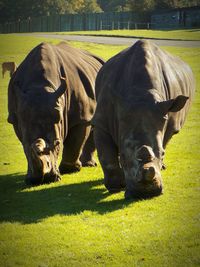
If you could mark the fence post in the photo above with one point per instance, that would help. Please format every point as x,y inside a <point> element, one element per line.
<point>47,23</point>
<point>59,18</point>
<point>29,24</point>
<point>19,24</point>
<point>100,25</point>
<point>6,28</point>
<point>118,25</point>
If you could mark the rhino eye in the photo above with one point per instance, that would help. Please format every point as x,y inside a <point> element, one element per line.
<point>138,159</point>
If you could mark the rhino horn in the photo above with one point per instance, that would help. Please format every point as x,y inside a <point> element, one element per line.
<point>39,146</point>
<point>145,153</point>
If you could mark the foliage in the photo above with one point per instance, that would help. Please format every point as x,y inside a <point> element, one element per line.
<point>90,6</point>
<point>144,5</point>
<point>12,10</point>
<point>113,5</point>
<point>75,222</point>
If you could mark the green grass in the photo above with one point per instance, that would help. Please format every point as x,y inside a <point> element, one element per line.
<point>76,222</point>
<point>190,34</point>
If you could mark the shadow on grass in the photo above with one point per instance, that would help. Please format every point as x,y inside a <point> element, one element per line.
<point>19,205</point>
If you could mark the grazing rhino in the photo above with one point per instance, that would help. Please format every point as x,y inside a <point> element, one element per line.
<point>143,96</point>
<point>48,111</point>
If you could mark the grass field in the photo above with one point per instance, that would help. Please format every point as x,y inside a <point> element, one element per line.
<point>189,34</point>
<point>76,222</point>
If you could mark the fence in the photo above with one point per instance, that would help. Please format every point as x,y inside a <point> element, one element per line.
<point>176,18</point>
<point>167,19</point>
<point>78,22</point>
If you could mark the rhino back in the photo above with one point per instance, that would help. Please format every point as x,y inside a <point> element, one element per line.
<point>44,66</point>
<point>136,71</point>
<point>80,68</point>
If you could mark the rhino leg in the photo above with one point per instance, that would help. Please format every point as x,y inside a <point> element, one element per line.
<point>72,149</point>
<point>173,127</point>
<point>108,156</point>
<point>88,152</point>
<point>170,131</point>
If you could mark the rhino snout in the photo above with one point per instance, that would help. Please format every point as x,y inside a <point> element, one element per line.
<point>42,164</point>
<point>148,174</point>
<point>148,183</point>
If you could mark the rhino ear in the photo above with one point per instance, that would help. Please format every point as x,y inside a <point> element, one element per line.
<point>173,105</point>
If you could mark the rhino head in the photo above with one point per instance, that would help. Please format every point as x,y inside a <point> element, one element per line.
<point>39,125</point>
<point>42,162</point>
<point>142,126</point>
<point>144,178</point>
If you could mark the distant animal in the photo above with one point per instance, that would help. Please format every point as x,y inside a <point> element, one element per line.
<point>143,97</point>
<point>8,66</point>
<point>51,101</point>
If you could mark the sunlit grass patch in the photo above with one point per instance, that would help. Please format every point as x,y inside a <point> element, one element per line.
<point>186,34</point>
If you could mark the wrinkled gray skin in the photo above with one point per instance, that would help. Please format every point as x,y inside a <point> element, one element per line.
<point>51,101</point>
<point>143,96</point>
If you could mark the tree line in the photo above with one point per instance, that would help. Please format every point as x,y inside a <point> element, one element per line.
<point>12,10</point>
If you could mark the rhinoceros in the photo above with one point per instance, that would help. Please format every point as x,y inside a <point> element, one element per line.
<point>143,97</point>
<point>51,101</point>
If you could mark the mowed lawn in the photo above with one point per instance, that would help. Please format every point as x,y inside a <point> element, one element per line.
<point>186,34</point>
<point>76,222</point>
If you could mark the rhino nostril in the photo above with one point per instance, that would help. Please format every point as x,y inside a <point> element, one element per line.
<point>149,173</point>
<point>57,142</point>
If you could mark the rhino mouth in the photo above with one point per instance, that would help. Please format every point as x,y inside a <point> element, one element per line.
<point>147,183</point>
<point>144,191</point>
<point>42,179</point>
<point>49,178</point>
<point>42,165</point>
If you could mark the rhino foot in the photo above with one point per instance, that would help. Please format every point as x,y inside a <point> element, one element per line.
<point>50,179</point>
<point>89,163</point>
<point>115,190</point>
<point>69,168</point>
